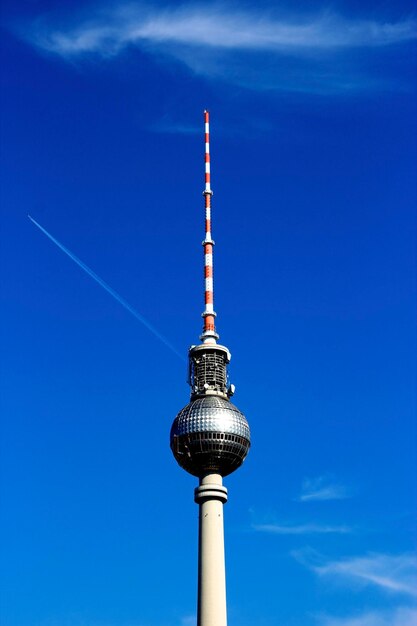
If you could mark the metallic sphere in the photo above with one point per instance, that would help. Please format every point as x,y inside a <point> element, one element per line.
<point>210,435</point>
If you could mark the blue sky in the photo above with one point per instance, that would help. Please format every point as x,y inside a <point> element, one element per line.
<point>313,169</point>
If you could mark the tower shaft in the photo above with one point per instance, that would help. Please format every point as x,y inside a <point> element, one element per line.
<point>211,496</point>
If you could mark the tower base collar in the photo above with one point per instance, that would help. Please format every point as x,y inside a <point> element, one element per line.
<point>210,488</point>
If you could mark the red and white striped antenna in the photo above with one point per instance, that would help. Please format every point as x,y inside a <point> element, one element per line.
<point>209,334</point>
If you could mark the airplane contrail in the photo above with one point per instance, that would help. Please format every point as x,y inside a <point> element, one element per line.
<point>109,289</point>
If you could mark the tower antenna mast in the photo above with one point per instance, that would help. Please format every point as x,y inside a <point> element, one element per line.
<point>209,330</point>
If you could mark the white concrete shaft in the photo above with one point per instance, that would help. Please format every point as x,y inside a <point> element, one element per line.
<point>211,495</point>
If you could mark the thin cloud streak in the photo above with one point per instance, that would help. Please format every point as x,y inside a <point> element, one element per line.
<point>302,529</point>
<point>321,489</point>
<point>175,128</point>
<point>390,573</point>
<point>109,289</point>
<point>110,32</point>
<point>401,616</point>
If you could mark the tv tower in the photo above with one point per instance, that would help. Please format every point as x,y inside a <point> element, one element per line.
<point>210,437</point>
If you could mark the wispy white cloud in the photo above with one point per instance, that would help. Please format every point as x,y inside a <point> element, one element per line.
<point>301,529</point>
<point>401,616</point>
<point>171,126</point>
<point>390,573</point>
<point>111,31</point>
<point>322,488</point>
<point>255,49</point>
<point>189,620</point>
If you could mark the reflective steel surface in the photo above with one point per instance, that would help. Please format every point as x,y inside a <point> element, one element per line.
<point>211,413</point>
<point>210,434</point>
